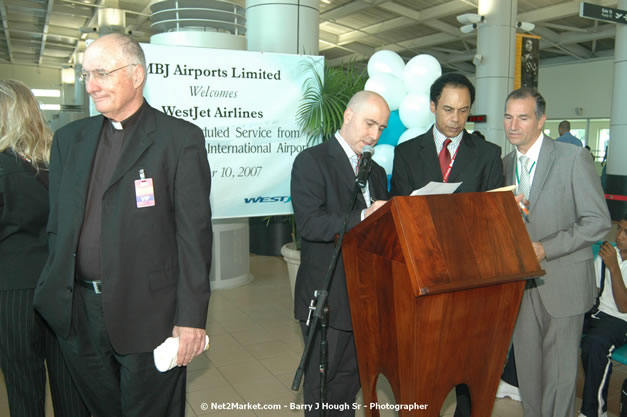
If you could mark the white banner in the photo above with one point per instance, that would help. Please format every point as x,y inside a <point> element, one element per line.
<point>245,103</point>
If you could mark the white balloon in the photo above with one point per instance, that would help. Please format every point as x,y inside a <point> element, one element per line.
<point>386,62</point>
<point>420,72</point>
<point>391,88</point>
<point>415,111</point>
<point>412,133</point>
<point>384,156</point>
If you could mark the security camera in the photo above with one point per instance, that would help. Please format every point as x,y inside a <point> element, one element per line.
<point>526,26</point>
<point>468,28</point>
<point>469,18</point>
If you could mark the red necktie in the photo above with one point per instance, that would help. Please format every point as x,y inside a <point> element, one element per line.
<point>445,157</point>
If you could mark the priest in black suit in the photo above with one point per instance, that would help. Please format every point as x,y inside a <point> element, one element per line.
<point>130,241</point>
<point>465,158</point>
<point>323,179</point>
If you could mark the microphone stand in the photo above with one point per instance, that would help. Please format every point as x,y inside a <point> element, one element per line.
<point>320,314</point>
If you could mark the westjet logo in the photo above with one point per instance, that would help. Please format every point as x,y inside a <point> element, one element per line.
<point>275,199</point>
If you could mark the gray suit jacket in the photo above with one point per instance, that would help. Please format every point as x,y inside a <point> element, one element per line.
<point>567,214</point>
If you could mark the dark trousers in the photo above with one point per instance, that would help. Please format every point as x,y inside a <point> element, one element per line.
<point>509,373</point>
<point>342,374</point>
<point>463,395</point>
<point>26,342</point>
<point>114,385</point>
<point>604,335</point>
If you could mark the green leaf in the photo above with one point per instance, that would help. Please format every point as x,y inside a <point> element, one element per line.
<point>321,112</point>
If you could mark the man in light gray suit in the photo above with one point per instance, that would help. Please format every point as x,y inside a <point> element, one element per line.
<point>567,213</point>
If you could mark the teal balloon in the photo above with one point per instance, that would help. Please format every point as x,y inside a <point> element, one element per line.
<point>393,131</point>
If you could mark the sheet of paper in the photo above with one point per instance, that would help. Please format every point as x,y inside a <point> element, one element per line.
<point>506,188</point>
<point>437,188</point>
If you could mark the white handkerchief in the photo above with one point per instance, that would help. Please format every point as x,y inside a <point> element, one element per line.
<point>165,353</point>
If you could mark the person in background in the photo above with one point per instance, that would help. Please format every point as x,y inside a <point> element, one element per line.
<point>608,327</point>
<point>26,341</point>
<point>566,136</point>
<point>478,134</point>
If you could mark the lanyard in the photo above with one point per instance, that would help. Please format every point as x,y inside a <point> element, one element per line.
<point>450,165</point>
<point>530,169</point>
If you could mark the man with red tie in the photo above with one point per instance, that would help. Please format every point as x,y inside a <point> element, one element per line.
<point>447,152</point>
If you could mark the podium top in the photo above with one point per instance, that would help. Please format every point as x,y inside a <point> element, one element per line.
<point>451,242</point>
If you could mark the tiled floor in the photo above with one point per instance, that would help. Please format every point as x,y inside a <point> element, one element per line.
<point>256,346</point>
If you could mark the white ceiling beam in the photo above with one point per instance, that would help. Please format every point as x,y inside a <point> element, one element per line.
<point>443,27</point>
<point>453,7</point>
<point>5,28</point>
<point>84,12</point>
<point>553,38</point>
<point>345,10</point>
<point>408,17</point>
<point>568,8</point>
<point>356,35</point>
<point>603,32</point>
<point>359,49</point>
<point>562,27</point>
<point>44,30</point>
<point>411,44</point>
<point>58,31</point>
<point>423,42</point>
<point>329,37</point>
<point>143,17</point>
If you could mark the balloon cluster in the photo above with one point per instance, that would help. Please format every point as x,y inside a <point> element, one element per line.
<point>405,87</point>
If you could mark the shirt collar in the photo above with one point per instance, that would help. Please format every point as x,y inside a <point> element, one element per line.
<point>350,153</point>
<point>534,152</point>
<point>129,121</point>
<point>440,138</point>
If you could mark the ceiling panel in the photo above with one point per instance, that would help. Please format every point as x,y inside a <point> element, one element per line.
<point>352,29</point>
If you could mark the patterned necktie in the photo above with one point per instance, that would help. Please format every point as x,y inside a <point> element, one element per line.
<point>524,182</point>
<point>445,157</point>
<point>355,162</point>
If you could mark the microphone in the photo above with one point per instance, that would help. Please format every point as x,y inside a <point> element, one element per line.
<point>365,162</point>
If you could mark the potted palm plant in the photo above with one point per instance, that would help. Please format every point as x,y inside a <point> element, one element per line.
<point>320,115</point>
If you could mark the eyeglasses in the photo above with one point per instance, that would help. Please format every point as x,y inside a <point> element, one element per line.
<point>98,75</point>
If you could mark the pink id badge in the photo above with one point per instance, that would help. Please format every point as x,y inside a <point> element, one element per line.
<point>144,193</point>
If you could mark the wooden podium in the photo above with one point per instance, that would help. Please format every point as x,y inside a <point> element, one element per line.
<point>435,285</point>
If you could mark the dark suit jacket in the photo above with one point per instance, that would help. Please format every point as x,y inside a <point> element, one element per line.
<point>321,187</point>
<point>155,260</point>
<point>23,217</point>
<point>477,164</point>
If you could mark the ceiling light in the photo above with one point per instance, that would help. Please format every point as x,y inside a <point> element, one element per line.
<point>38,92</point>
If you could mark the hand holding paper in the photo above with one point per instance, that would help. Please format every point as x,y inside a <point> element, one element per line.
<point>165,354</point>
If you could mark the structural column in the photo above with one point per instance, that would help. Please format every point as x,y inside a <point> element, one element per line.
<point>617,151</point>
<point>496,41</point>
<point>286,26</point>
<point>214,24</point>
